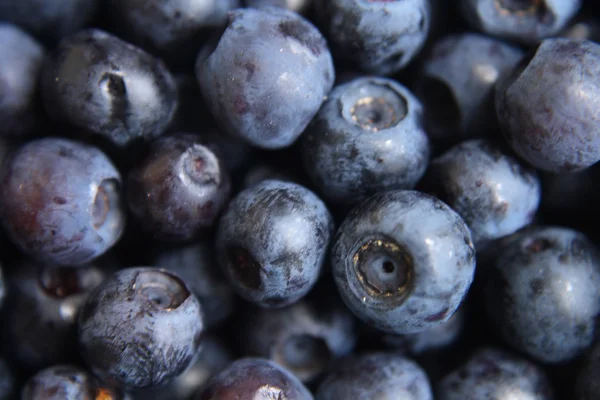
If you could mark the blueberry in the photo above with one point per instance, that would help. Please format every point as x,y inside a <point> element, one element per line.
<point>65,382</point>
<point>100,83</point>
<point>267,75</point>
<point>403,261</point>
<point>587,385</point>
<point>196,266</point>
<point>178,190</point>
<point>368,137</point>
<point>168,27</point>
<point>304,337</point>
<point>140,328</point>
<point>300,6</point>
<point>20,67</point>
<point>272,242</point>
<point>40,317</point>
<point>547,106</point>
<point>7,381</point>
<point>376,375</point>
<point>490,190</point>
<point>49,20</point>
<point>431,340</point>
<point>457,80</point>
<point>381,37</point>
<point>495,374</point>
<point>254,378</point>
<point>60,201</point>
<point>526,21</point>
<point>542,292</point>
<point>212,358</point>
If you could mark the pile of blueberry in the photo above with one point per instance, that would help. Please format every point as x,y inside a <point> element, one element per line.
<point>295,200</point>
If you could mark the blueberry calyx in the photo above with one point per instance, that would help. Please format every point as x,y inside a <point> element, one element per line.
<point>526,9</point>
<point>374,107</point>
<point>200,166</point>
<point>62,282</point>
<point>162,290</point>
<point>105,202</point>
<point>384,268</point>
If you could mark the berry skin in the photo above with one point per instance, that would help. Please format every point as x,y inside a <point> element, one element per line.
<point>254,378</point>
<point>60,201</point>
<point>40,318</point>
<point>547,106</point>
<point>212,358</point>
<point>381,37</point>
<point>299,6</point>
<point>99,83</point>
<point>20,67</point>
<point>49,20</point>
<point>457,81</point>
<point>403,261</point>
<point>179,189</point>
<point>376,376</point>
<point>65,382</point>
<point>168,27</point>
<point>196,266</point>
<point>267,76</point>
<point>490,190</point>
<point>140,328</point>
<point>498,375</point>
<point>368,137</point>
<point>272,242</point>
<point>304,337</point>
<point>542,292</point>
<point>526,21</point>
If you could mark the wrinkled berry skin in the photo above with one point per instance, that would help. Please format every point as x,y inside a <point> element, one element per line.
<point>40,317</point>
<point>494,374</point>
<point>272,242</point>
<point>196,266</point>
<point>542,292</point>
<point>299,6</point>
<point>49,20</point>
<point>99,83</point>
<point>587,386</point>
<point>168,26</point>
<point>431,340</point>
<point>254,378</point>
<point>403,261</point>
<point>522,21</point>
<point>20,67</point>
<point>267,76</point>
<point>60,201</point>
<point>490,190</point>
<point>374,376</point>
<point>7,381</point>
<point>140,328</point>
<point>457,81</point>
<point>304,337</point>
<point>381,37</point>
<point>368,137</point>
<point>180,187</point>
<point>65,382</point>
<point>547,107</point>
